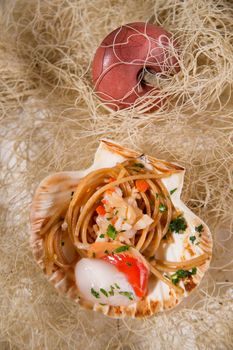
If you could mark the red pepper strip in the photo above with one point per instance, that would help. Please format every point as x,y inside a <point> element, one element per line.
<point>136,272</point>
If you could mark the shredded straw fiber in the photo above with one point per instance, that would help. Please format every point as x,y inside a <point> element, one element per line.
<point>50,120</point>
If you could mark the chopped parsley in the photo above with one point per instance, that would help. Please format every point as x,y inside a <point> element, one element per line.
<point>172,191</point>
<point>175,279</point>
<point>122,248</point>
<point>95,293</point>
<point>102,235</point>
<point>104,292</point>
<point>157,195</point>
<point>178,225</point>
<point>139,165</point>
<point>194,271</point>
<point>106,251</point>
<point>127,294</point>
<point>180,274</point>
<point>111,291</point>
<point>199,228</point>
<point>192,238</point>
<point>111,231</point>
<point>128,263</point>
<point>162,208</point>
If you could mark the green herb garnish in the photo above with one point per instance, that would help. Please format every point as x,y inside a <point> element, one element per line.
<point>102,235</point>
<point>106,251</point>
<point>139,165</point>
<point>162,208</point>
<point>128,263</point>
<point>111,291</point>
<point>157,195</point>
<point>127,294</point>
<point>199,228</point>
<point>116,285</point>
<point>95,293</point>
<point>122,248</point>
<point>192,238</point>
<point>178,225</point>
<point>111,231</point>
<point>181,274</point>
<point>175,280</point>
<point>172,191</point>
<point>104,292</point>
<point>194,271</point>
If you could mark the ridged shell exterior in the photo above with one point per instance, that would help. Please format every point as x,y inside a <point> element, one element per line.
<point>55,190</point>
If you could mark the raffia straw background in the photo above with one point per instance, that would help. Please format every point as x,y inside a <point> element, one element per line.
<point>51,121</point>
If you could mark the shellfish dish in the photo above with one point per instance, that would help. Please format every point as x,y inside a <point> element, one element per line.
<point>116,237</point>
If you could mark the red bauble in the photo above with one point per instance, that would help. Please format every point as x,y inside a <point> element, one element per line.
<point>124,54</point>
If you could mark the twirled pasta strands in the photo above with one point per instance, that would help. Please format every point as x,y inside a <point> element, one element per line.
<point>81,215</point>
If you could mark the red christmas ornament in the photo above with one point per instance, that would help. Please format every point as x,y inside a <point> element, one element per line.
<point>122,58</point>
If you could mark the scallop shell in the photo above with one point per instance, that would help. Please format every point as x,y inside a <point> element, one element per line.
<point>55,190</point>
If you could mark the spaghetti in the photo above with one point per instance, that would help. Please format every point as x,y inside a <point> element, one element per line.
<point>127,203</point>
